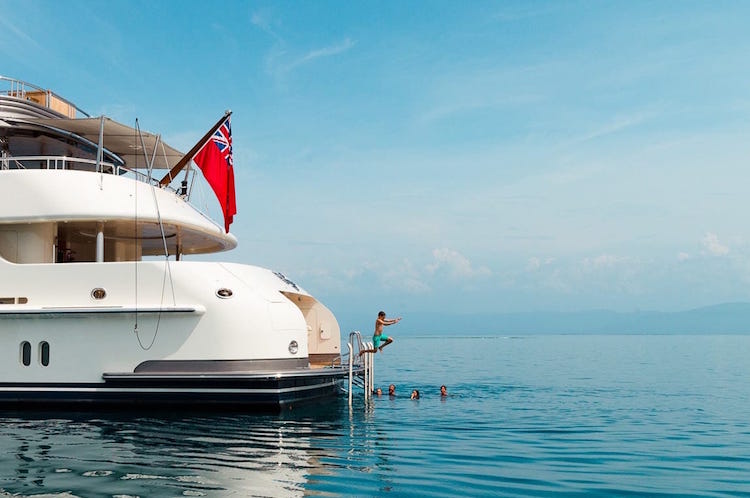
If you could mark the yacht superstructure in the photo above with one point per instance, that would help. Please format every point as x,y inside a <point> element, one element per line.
<point>85,318</point>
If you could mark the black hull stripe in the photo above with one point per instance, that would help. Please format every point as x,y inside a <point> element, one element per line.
<point>178,385</point>
<point>269,397</point>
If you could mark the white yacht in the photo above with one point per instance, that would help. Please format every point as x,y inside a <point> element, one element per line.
<point>97,302</point>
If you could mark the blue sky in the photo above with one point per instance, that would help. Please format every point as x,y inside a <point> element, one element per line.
<point>442,156</point>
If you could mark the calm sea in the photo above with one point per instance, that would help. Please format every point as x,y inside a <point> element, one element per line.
<point>562,415</point>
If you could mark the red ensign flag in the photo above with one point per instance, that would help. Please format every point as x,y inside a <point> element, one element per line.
<point>215,161</point>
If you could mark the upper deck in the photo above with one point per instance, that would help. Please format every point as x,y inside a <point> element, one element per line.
<point>46,100</point>
<point>45,133</point>
<point>36,122</point>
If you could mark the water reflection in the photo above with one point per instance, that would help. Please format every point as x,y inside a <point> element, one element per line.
<point>115,454</point>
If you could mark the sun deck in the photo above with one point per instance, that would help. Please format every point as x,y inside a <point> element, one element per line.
<point>55,212</point>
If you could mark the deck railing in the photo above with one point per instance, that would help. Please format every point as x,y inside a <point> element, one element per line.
<point>55,162</point>
<point>47,98</point>
<point>72,163</point>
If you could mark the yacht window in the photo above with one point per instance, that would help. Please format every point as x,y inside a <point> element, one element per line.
<point>26,353</point>
<point>44,353</point>
<point>14,300</point>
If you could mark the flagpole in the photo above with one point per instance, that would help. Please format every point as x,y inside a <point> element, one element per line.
<point>196,148</point>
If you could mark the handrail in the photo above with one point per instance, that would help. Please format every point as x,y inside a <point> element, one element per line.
<point>18,89</point>
<point>69,163</point>
<point>355,337</point>
<point>365,363</point>
<point>55,162</point>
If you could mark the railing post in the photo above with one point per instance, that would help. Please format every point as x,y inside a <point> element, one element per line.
<point>368,365</point>
<point>366,376</point>
<point>372,372</point>
<point>351,366</point>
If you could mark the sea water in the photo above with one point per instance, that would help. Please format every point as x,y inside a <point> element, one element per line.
<point>558,415</point>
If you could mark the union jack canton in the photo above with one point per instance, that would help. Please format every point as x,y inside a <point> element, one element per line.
<point>223,140</point>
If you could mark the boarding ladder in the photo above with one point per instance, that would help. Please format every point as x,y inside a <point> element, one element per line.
<point>361,366</point>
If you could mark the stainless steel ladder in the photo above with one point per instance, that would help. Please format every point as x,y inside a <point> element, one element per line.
<point>364,363</point>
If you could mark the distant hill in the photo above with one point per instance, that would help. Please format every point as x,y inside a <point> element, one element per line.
<point>726,318</point>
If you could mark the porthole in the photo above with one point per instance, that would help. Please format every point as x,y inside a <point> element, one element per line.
<point>224,293</point>
<point>26,353</point>
<point>44,353</point>
<point>98,293</point>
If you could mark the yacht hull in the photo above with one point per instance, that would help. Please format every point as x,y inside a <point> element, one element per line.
<point>264,391</point>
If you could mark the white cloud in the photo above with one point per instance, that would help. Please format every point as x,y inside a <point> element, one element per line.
<point>468,102</point>
<point>275,58</point>
<point>404,276</point>
<point>327,51</point>
<point>265,21</point>
<point>455,264</point>
<point>17,34</point>
<point>261,20</point>
<point>602,261</point>
<point>711,242</point>
<point>415,286</point>
<point>534,263</point>
<point>616,125</point>
<point>683,256</point>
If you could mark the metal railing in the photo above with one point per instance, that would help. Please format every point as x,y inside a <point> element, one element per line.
<point>365,364</point>
<point>73,163</point>
<point>23,90</point>
<point>57,162</point>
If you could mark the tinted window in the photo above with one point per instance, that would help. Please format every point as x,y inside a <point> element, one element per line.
<point>26,353</point>
<point>44,353</point>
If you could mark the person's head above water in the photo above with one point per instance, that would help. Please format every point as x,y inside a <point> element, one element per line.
<point>415,394</point>
<point>391,389</point>
<point>443,391</point>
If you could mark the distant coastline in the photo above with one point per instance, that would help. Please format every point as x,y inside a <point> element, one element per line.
<point>725,318</point>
